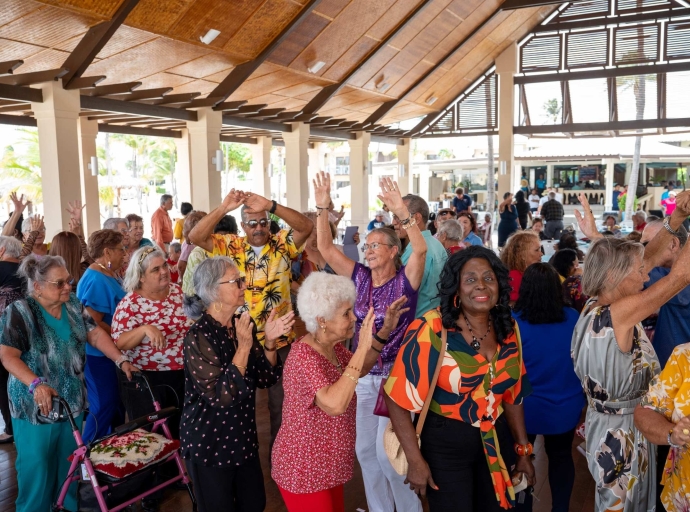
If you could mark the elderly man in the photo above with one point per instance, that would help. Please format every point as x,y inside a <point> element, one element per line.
<point>377,222</point>
<point>264,260</point>
<point>552,212</point>
<point>450,234</point>
<point>161,223</point>
<point>639,220</point>
<point>442,215</point>
<point>435,254</point>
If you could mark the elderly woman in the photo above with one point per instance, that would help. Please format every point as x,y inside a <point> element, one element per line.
<point>321,375</point>
<point>555,405</point>
<point>521,250</point>
<point>379,285</point>
<point>616,362</point>
<point>469,227</point>
<point>450,234</point>
<point>224,364</point>
<point>100,292</point>
<point>136,234</point>
<point>42,346</point>
<point>611,224</point>
<point>461,465</point>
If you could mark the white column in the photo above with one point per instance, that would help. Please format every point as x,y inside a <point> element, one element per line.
<point>608,195</point>
<point>88,131</point>
<point>549,175</point>
<point>359,179</point>
<point>261,160</point>
<point>506,67</point>
<point>405,159</point>
<point>296,167</point>
<point>204,141</point>
<point>424,176</point>
<point>183,173</point>
<point>58,140</point>
<point>315,155</point>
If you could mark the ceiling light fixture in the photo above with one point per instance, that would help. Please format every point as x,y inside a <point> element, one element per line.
<point>316,67</point>
<point>210,36</point>
<point>431,100</point>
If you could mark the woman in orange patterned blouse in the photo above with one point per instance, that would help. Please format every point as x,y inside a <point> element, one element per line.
<point>465,440</point>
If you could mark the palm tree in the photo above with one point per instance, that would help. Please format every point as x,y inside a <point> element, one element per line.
<point>553,109</point>
<point>163,156</point>
<point>24,167</point>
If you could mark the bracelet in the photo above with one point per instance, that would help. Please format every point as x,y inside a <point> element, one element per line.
<point>35,383</point>
<point>122,360</point>
<point>523,449</point>
<point>354,368</point>
<point>239,366</point>
<point>270,349</point>
<point>409,224</point>
<point>670,443</point>
<point>273,208</point>
<point>351,377</point>
<point>667,227</point>
<point>379,339</point>
<point>375,349</point>
<point>321,208</point>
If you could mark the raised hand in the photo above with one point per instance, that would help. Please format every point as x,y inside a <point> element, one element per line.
<point>256,203</point>
<point>322,189</point>
<point>683,203</point>
<point>74,209</point>
<point>18,202</point>
<point>244,331</point>
<point>586,222</point>
<point>393,312</point>
<point>233,200</point>
<point>390,195</point>
<point>37,223</point>
<point>277,327</point>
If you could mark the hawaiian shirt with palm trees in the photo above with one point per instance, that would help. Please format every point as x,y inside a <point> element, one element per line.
<point>268,275</point>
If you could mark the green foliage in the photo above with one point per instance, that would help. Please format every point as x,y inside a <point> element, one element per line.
<point>445,154</point>
<point>21,163</point>
<point>553,109</point>
<point>238,157</point>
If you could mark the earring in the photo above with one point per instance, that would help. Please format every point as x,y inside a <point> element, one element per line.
<point>323,328</point>
<point>216,308</point>
<point>456,302</point>
<point>110,265</point>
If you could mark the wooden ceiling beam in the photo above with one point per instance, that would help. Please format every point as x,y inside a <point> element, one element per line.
<point>240,73</point>
<point>8,67</point>
<point>131,130</point>
<point>144,94</point>
<point>285,116</point>
<point>139,109</point>
<point>170,99</point>
<point>510,5</point>
<point>256,124</point>
<point>16,108</point>
<point>306,118</point>
<point>267,113</point>
<point>346,125</point>
<point>318,101</point>
<point>17,120</point>
<point>384,139</point>
<point>230,105</point>
<point>35,77</point>
<point>325,120</point>
<point>380,112</point>
<point>241,140</point>
<point>251,109</point>
<point>93,42</point>
<point>331,134</point>
<point>105,90</point>
<point>13,92</point>
<point>86,82</point>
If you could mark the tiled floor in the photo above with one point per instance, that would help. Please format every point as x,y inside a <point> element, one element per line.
<point>176,501</point>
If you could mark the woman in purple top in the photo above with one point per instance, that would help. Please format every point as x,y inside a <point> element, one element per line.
<point>384,283</point>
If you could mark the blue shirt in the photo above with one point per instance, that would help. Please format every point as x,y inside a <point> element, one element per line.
<point>101,293</point>
<point>375,225</point>
<point>541,184</point>
<point>436,257</point>
<point>556,402</point>
<point>473,239</point>
<point>614,206</point>
<point>673,325</point>
<point>462,205</point>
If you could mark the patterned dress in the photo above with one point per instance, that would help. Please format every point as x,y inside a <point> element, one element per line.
<point>621,460</point>
<point>669,394</point>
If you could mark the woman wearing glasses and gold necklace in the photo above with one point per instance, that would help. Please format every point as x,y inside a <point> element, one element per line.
<point>384,283</point>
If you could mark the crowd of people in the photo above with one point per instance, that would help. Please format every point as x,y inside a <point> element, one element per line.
<point>435,361</point>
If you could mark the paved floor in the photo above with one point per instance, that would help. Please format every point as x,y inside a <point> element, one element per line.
<point>177,501</point>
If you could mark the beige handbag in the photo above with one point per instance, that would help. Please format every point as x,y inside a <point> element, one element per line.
<point>391,443</point>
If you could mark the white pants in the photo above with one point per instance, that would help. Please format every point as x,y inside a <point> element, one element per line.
<point>385,489</point>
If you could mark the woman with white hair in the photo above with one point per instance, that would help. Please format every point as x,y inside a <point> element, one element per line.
<point>450,234</point>
<point>615,361</point>
<point>314,452</point>
<point>224,364</point>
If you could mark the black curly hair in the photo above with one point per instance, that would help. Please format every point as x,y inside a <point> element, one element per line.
<point>541,295</point>
<point>449,285</point>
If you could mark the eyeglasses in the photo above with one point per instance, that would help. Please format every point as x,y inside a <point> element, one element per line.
<point>443,214</point>
<point>253,223</point>
<point>373,246</point>
<point>61,283</point>
<point>240,282</point>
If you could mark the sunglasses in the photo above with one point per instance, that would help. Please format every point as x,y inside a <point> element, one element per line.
<point>240,281</point>
<point>443,214</point>
<point>253,223</point>
<point>61,283</point>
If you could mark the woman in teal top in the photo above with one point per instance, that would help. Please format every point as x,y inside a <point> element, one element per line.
<point>42,346</point>
<point>100,292</point>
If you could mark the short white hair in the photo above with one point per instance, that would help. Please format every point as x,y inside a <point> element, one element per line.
<point>640,214</point>
<point>137,269</point>
<point>12,246</point>
<point>452,229</point>
<point>320,295</point>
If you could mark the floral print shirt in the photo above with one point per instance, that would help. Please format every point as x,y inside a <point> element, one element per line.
<point>167,316</point>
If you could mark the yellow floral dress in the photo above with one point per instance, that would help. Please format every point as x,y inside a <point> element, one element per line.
<point>669,394</point>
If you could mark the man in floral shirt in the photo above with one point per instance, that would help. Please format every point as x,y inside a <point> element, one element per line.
<point>264,260</point>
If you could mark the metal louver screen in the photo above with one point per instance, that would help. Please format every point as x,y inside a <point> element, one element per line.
<point>541,54</point>
<point>586,49</point>
<point>580,9</point>
<point>636,44</point>
<point>631,5</point>
<point>447,122</point>
<point>478,109</point>
<point>677,41</point>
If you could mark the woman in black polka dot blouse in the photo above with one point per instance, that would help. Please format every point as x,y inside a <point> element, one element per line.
<point>224,364</point>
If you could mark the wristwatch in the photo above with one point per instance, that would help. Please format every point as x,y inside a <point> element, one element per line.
<point>273,208</point>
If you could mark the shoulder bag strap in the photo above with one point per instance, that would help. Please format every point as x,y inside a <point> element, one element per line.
<point>432,386</point>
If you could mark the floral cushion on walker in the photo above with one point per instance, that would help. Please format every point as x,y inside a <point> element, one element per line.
<point>120,456</point>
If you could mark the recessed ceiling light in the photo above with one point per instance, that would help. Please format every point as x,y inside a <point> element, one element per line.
<point>431,100</point>
<point>210,36</point>
<point>316,67</point>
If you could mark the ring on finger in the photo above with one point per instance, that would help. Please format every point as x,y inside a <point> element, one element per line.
<point>686,431</point>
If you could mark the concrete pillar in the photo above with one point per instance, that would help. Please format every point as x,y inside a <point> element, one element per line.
<point>424,176</point>
<point>57,118</point>
<point>359,179</point>
<point>549,175</point>
<point>183,174</point>
<point>608,195</point>
<point>204,141</point>
<point>405,159</point>
<point>296,167</point>
<point>315,156</point>
<point>506,67</point>
<point>261,160</point>
<point>88,131</point>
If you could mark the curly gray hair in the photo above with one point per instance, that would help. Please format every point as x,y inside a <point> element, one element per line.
<point>320,296</point>
<point>138,265</point>
<point>206,278</point>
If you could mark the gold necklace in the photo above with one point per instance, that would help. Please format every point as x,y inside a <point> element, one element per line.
<point>337,363</point>
<point>106,270</point>
<point>381,283</point>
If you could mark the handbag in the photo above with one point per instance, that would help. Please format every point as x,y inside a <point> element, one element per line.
<point>391,443</point>
<point>381,409</point>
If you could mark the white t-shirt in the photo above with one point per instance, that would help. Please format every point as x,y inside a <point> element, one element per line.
<point>257,250</point>
<point>533,200</point>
